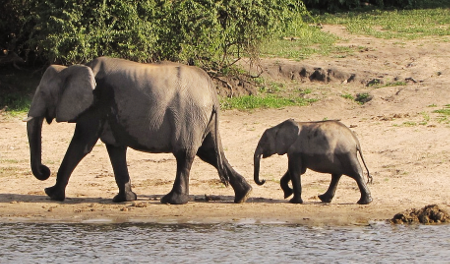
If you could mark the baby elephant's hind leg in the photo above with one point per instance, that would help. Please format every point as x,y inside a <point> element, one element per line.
<point>329,194</point>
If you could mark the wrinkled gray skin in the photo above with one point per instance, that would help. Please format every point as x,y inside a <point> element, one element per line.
<point>164,107</point>
<point>324,146</point>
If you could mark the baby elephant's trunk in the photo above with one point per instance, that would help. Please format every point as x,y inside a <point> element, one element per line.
<point>257,162</point>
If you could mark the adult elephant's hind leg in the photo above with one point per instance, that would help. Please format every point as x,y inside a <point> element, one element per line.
<point>240,186</point>
<point>329,194</point>
<point>357,175</point>
<point>366,197</point>
<point>118,157</point>
<point>180,190</point>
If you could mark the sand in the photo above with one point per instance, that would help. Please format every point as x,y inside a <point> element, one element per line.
<point>405,143</point>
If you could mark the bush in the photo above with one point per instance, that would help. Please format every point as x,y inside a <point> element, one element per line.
<point>208,33</point>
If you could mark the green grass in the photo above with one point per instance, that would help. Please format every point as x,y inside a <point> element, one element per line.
<point>409,123</point>
<point>397,83</point>
<point>361,98</point>
<point>7,171</point>
<point>425,115</point>
<point>444,114</point>
<point>444,111</point>
<point>399,24</point>
<point>303,41</point>
<point>249,102</point>
<point>272,87</point>
<point>348,96</point>
<point>11,161</point>
<point>17,88</point>
<point>15,104</point>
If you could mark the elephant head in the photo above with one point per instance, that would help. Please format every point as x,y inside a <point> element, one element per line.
<point>277,139</point>
<point>63,93</point>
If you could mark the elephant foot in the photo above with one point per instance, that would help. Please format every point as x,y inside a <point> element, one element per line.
<point>287,192</point>
<point>366,200</point>
<point>175,198</point>
<point>55,193</point>
<point>325,198</point>
<point>123,197</point>
<point>242,196</point>
<point>296,200</point>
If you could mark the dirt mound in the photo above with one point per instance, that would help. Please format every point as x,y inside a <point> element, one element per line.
<point>287,70</point>
<point>430,214</point>
<point>235,86</point>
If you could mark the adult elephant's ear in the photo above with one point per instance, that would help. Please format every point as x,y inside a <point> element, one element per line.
<point>76,94</point>
<point>286,136</point>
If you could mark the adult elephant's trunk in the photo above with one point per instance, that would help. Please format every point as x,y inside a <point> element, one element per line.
<point>34,129</point>
<point>257,163</point>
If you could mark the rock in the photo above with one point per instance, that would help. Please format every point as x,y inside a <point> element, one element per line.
<point>430,214</point>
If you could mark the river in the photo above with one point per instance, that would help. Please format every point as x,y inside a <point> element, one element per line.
<point>222,243</point>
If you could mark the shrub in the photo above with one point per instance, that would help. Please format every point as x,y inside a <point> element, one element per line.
<point>208,33</point>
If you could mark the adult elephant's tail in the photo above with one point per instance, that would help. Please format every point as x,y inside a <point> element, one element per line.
<point>218,149</point>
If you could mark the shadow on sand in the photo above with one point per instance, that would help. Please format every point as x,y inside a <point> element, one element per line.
<point>28,198</point>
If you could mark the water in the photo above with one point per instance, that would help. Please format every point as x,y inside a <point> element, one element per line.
<point>221,243</point>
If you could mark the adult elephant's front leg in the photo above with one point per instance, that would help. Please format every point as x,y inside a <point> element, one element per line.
<point>296,170</point>
<point>85,136</point>
<point>118,157</point>
<point>180,190</point>
<point>284,184</point>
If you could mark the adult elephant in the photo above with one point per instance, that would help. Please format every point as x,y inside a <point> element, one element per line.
<point>158,108</point>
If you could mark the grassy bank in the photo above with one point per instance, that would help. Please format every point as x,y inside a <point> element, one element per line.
<point>305,41</point>
<point>249,102</point>
<point>300,41</point>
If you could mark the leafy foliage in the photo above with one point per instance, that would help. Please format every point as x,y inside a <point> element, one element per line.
<point>208,33</point>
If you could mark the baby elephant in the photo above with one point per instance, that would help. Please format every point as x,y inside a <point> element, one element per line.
<point>322,146</point>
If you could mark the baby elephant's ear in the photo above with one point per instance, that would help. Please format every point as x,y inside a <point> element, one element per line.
<point>286,136</point>
<point>76,93</point>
